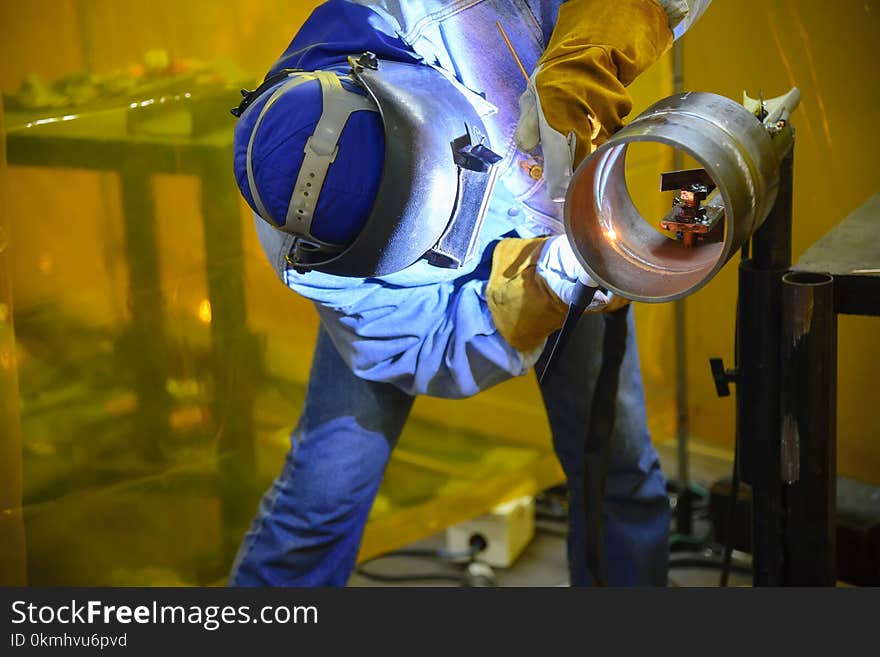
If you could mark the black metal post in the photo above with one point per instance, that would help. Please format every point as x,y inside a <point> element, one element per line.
<point>808,431</point>
<point>760,378</point>
<point>771,243</point>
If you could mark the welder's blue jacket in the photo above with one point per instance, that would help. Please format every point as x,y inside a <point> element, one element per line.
<point>428,330</point>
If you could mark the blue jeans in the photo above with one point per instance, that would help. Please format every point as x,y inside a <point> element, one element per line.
<point>310,522</point>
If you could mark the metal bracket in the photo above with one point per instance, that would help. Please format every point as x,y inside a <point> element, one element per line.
<point>722,377</point>
<point>470,152</point>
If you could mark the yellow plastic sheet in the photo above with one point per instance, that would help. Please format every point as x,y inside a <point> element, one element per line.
<point>156,365</point>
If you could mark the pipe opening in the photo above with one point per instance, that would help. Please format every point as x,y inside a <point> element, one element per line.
<point>809,279</point>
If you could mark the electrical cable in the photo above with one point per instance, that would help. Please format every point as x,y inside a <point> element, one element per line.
<point>597,441</point>
<point>707,563</point>
<point>428,553</point>
<point>582,298</point>
<point>418,577</point>
<point>551,517</point>
<point>699,509</point>
<point>731,517</point>
<point>689,540</point>
<point>476,545</point>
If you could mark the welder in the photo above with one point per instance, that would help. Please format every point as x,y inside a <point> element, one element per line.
<point>407,178</point>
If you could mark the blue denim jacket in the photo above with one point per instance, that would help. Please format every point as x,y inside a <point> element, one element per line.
<point>428,330</point>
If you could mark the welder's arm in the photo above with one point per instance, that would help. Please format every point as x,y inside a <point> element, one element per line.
<point>532,284</point>
<point>579,96</point>
<point>435,339</point>
<point>451,338</point>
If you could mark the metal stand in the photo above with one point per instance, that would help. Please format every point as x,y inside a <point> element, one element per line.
<point>759,378</point>
<point>786,382</point>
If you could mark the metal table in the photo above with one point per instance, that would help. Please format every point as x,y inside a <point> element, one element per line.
<point>104,140</point>
<point>839,274</point>
<point>850,252</point>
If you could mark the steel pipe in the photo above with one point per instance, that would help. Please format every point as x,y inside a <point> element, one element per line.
<point>625,252</point>
<point>808,440</point>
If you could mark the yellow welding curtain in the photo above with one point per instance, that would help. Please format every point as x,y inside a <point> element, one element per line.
<point>151,365</point>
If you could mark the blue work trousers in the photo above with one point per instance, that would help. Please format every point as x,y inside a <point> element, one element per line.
<point>310,522</point>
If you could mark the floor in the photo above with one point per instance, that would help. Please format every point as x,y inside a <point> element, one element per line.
<point>543,562</point>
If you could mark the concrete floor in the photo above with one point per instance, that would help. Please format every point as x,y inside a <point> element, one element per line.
<point>543,562</point>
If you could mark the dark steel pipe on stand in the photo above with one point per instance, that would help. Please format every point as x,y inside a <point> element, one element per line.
<point>808,429</point>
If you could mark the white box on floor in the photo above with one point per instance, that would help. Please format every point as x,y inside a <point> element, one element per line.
<point>508,528</point>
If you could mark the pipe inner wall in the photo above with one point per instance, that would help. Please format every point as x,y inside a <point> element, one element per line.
<point>624,251</point>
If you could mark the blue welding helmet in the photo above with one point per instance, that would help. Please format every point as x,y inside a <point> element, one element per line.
<point>284,141</point>
<point>365,169</point>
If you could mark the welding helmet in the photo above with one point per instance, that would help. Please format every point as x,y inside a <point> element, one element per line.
<point>364,169</point>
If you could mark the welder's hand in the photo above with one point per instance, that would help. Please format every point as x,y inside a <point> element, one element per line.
<point>557,149</point>
<point>531,285</point>
<point>560,269</point>
<point>579,99</point>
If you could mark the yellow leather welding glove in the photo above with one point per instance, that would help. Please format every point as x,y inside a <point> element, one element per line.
<point>597,48</point>
<point>531,284</point>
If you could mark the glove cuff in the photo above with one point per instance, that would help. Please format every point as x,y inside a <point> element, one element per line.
<point>596,50</point>
<point>524,308</point>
